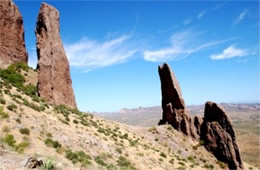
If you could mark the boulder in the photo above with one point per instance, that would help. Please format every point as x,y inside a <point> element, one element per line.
<point>219,136</point>
<point>12,45</point>
<point>54,81</point>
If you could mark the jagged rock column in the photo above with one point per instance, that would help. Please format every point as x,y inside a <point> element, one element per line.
<point>219,136</point>
<point>54,81</point>
<point>174,111</point>
<point>12,45</point>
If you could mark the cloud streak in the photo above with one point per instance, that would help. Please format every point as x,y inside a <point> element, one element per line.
<point>241,16</point>
<point>230,52</point>
<point>91,54</point>
<point>201,14</point>
<point>182,44</point>
<point>187,21</point>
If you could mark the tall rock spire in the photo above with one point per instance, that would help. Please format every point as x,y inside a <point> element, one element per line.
<point>54,81</point>
<point>174,111</point>
<point>12,45</point>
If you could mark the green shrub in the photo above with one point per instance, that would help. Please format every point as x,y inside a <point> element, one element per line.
<point>12,107</point>
<point>18,120</point>
<point>124,163</point>
<point>133,142</point>
<point>100,161</point>
<point>79,156</point>
<point>2,113</point>
<point>21,146</point>
<point>25,131</point>
<point>119,150</point>
<point>9,140</point>
<point>162,154</point>
<point>52,143</point>
<point>171,161</point>
<point>2,101</point>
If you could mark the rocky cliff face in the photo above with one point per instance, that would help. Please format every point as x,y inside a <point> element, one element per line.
<point>215,129</point>
<point>219,136</point>
<point>54,81</point>
<point>12,46</point>
<point>174,111</point>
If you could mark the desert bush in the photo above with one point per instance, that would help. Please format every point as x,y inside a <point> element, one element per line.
<point>9,140</point>
<point>12,107</point>
<point>52,143</point>
<point>2,101</point>
<point>171,161</point>
<point>75,121</point>
<point>80,156</point>
<point>100,161</point>
<point>21,146</point>
<point>25,131</point>
<point>119,150</point>
<point>18,120</point>
<point>124,163</point>
<point>162,154</point>
<point>2,113</point>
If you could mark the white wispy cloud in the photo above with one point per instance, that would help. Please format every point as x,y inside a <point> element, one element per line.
<point>182,44</point>
<point>241,16</point>
<point>187,21</point>
<point>91,54</point>
<point>230,52</point>
<point>201,14</point>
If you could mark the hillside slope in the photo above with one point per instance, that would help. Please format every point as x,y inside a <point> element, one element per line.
<point>70,139</point>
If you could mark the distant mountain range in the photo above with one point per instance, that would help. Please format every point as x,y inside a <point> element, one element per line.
<point>150,116</point>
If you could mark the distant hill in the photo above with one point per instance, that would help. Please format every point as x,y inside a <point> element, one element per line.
<point>150,116</point>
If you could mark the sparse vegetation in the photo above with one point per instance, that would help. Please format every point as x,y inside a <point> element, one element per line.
<point>25,131</point>
<point>12,107</point>
<point>99,160</point>
<point>2,113</point>
<point>80,156</point>
<point>124,163</point>
<point>162,154</point>
<point>48,164</point>
<point>52,143</point>
<point>10,141</point>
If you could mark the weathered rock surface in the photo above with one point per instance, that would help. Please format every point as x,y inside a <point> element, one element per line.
<point>219,136</point>
<point>174,111</point>
<point>54,81</point>
<point>12,45</point>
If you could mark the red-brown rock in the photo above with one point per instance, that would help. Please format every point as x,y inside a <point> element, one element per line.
<point>174,111</point>
<point>12,45</point>
<point>54,81</point>
<point>219,136</point>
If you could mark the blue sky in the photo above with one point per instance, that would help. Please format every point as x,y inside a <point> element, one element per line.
<point>114,49</point>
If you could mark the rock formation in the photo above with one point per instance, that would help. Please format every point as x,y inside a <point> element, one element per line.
<point>219,136</point>
<point>174,111</point>
<point>12,46</point>
<point>54,81</point>
<point>215,129</point>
